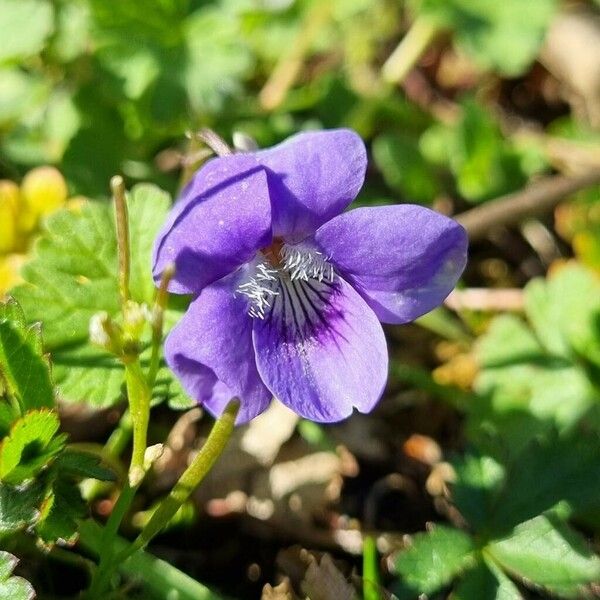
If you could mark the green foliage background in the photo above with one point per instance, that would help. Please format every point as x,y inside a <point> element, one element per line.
<point>99,88</point>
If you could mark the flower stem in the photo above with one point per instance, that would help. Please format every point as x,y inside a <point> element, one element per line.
<point>412,46</point>
<point>189,480</point>
<point>158,317</point>
<point>109,534</point>
<point>370,569</point>
<point>139,394</point>
<point>117,186</point>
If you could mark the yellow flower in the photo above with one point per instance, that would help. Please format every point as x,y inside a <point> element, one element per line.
<point>43,190</point>
<point>9,199</point>
<point>10,267</point>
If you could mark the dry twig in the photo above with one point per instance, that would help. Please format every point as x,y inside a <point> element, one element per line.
<point>535,199</point>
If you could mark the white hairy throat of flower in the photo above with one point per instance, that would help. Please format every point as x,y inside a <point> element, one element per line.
<point>293,265</point>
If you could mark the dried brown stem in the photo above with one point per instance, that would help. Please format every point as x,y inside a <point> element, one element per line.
<point>535,199</point>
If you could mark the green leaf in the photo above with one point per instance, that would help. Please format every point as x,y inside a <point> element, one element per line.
<point>19,505</point>
<point>8,414</point>
<point>25,26</point>
<point>217,59</point>
<point>59,513</point>
<point>30,445</point>
<point>434,559</point>
<point>504,35</point>
<point>548,553</point>
<point>74,276</point>
<point>565,312</point>
<point>12,587</point>
<point>499,35</point>
<point>22,364</point>
<point>477,477</point>
<point>486,582</point>
<point>484,165</point>
<point>524,390</point>
<point>157,577</point>
<point>404,168</point>
<point>148,206</point>
<point>77,464</point>
<point>564,470</point>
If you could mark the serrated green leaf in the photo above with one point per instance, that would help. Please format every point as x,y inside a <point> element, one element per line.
<point>19,505</point>
<point>525,390</point>
<point>30,445</point>
<point>434,559</point>
<point>548,553</point>
<point>25,26</point>
<point>13,587</point>
<point>78,464</point>
<point>74,276</point>
<point>22,364</point>
<point>59,513</point>
<point>565,312</point>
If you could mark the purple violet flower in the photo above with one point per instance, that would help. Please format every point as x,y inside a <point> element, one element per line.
<point>289,290</point>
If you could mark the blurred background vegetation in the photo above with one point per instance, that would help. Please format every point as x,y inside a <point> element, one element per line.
<point>491,419</point>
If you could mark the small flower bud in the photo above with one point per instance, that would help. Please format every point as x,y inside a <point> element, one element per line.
<point>9,198</point>
<point>134,318</point>
<point>152,454</point>
<point>98,330</point>
<point>43,191</point>
<point>105,333</point>
<point>244,142</point>
<point>10,267</point>
<point>136,475</point>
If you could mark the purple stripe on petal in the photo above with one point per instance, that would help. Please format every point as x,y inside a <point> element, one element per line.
<point>403,259</point>
<point>313,177</point>
<point>222,218</point>
<point>321,350</point>
<point>211,352</point>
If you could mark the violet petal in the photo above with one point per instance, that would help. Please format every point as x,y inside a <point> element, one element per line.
<point>222,218</point>
<point>312,177</point>
<point>321,350</point>
<point>404,259</point>
<point>211,352</point>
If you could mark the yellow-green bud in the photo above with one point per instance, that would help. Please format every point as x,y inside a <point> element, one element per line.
<point>9,200</point>
<point>43,191</point>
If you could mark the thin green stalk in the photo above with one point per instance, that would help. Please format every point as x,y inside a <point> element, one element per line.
<point>189,480</point>
<point>113,448</point>
<point>117,186</point>
<point>109,533</point>
<point>408,52</point>
<point>139,395</point>
<point>158,317</point>
<point>370,576</point>
<point>157,577</point>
